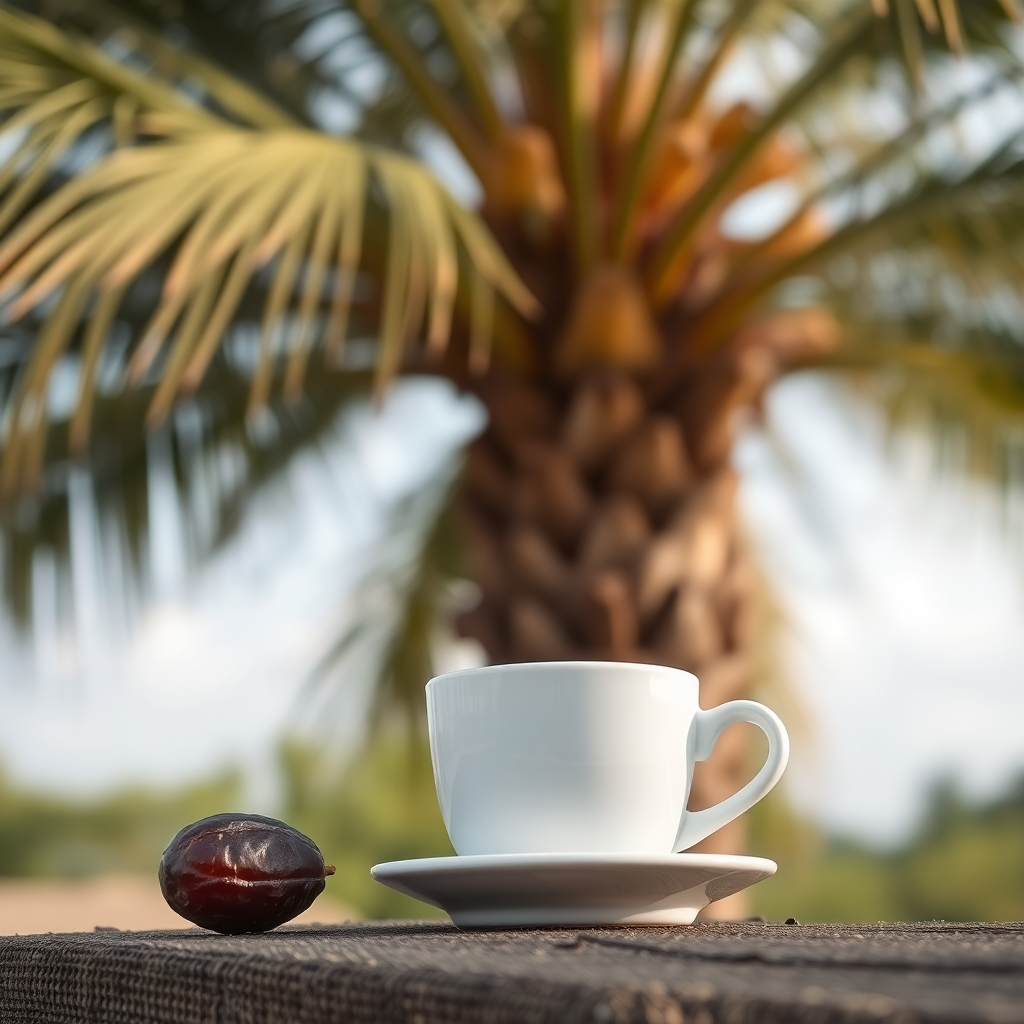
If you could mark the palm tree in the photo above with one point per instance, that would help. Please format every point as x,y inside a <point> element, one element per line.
<point>165,177</point>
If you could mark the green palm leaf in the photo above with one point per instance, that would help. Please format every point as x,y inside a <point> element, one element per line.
<point>234,53</point>
<point>227,203</point>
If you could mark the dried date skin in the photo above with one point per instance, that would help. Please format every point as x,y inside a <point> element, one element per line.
<point>237,873</point>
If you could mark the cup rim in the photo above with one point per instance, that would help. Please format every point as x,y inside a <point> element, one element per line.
<point>573,663</point>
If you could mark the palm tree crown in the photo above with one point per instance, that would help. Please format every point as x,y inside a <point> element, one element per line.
<point>177,226</point>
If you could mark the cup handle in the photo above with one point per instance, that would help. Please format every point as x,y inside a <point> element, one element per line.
<point>707,727</point>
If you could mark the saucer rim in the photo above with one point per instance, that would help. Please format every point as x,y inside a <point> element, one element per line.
<point>490,861</point>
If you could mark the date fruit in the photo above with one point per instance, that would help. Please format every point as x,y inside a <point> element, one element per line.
<point>236,873</point>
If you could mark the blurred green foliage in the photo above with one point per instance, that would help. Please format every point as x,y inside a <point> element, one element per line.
<point>44,836</point>
<point>964,862</point>
<point>385,809</point>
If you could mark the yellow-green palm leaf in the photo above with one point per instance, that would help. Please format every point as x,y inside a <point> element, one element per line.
<point>222,204</point>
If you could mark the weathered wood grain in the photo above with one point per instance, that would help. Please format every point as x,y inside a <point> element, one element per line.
<point>422,973</point>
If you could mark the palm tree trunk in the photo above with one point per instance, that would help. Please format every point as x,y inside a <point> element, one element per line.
<point>601,523</point>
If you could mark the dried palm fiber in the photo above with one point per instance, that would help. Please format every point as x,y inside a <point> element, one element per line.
<point>610,325</point>
<point>605,409</point>
<point>486,479</point>
<point>536,566</point>
<point>551,493</point>
<point>519,415</point>
<point>535,633</point>
<point>523,175</point>
<point>611,621</point>
<point>694,546</point>
<point>690,635</point>
<point>653,465</point>
<point>484,554</point>
<point>680,168</point>
<point>618,533</point>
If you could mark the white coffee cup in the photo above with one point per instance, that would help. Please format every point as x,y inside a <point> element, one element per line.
<point>582,757</point>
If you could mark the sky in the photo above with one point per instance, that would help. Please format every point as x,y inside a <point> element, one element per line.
<point>902,602</point>
<point>903,593</point>
<point>212,671</point>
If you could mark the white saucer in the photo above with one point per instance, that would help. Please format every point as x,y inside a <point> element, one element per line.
<point>573,889</point>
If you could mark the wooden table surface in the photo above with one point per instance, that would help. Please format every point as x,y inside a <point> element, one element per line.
<point>422,973</point>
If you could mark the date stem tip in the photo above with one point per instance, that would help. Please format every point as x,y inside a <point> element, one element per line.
<point>329,869</point>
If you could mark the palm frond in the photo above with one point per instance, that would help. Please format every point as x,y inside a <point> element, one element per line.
<point>316,230</point>
<point>447,75</point>
<point>630,30</point>
<point>846,43</point>
<point>178,66</point>
<point>47,80</point>
<point>579,33</point>
<point>331,60</point>
<point>229,203</point>
<point>223,48</point>
<point>215,458</point>
<point>968,401</point>
<point>461,33</point>
<point>55,92</point>
<point>227,207</point>
<point>405,598</point>
<point>426,86</point>
<point>874,186</point>
<point>970,222</point>
<point>927,289</point>
<point>639,161</point>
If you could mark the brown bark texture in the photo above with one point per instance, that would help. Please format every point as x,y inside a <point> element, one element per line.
<point>599,506</point>
<point>601,525</point>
